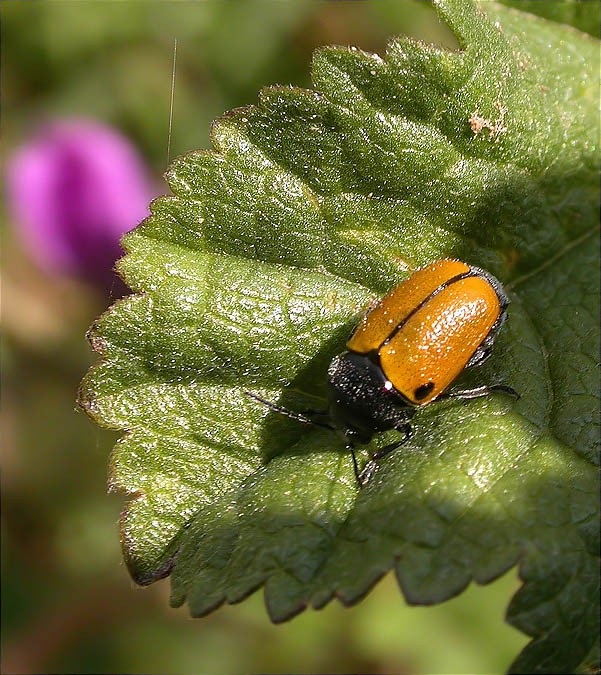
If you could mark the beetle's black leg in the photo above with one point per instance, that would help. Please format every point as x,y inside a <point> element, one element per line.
<point>368,471</point>
<point>481,355</point>
<point>479,392</point>
<point>351,449</point>
<point>407,430</point>
<point>371,466</point>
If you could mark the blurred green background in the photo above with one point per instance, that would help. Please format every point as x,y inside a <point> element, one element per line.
<point>68,605</point>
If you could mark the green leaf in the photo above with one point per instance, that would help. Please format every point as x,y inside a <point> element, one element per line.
<point>251,277</point>
<point>581,14</point>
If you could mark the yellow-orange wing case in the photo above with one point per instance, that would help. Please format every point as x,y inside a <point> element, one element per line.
<point>426,329</point>
<point>435,344</point>
<point>393,308</point>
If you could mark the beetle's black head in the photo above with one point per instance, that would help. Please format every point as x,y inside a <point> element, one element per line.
<point>362,401</point>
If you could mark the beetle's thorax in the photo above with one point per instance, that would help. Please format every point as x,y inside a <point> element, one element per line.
<point>362,401</point>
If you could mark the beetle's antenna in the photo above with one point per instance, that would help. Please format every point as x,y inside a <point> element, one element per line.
<point>361,476</point>
<point>299,417</point>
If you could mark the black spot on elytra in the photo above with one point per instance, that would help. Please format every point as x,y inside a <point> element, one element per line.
<point>422,391</point>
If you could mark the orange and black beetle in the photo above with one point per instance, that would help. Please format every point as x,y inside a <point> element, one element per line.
<point>407,350</point>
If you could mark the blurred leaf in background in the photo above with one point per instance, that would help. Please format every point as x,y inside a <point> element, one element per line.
<point>581,14</point>
<point>68,604</point>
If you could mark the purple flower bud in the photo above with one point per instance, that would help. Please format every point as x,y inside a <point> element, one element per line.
<point>73,190</point>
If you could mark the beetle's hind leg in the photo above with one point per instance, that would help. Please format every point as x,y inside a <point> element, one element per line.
<point>479,392</point>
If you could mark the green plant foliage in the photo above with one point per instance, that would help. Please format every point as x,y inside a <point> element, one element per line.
<point>252,275</point>
<point>581,14</point>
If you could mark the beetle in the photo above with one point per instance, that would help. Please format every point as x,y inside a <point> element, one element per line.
<point>405,353</point>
